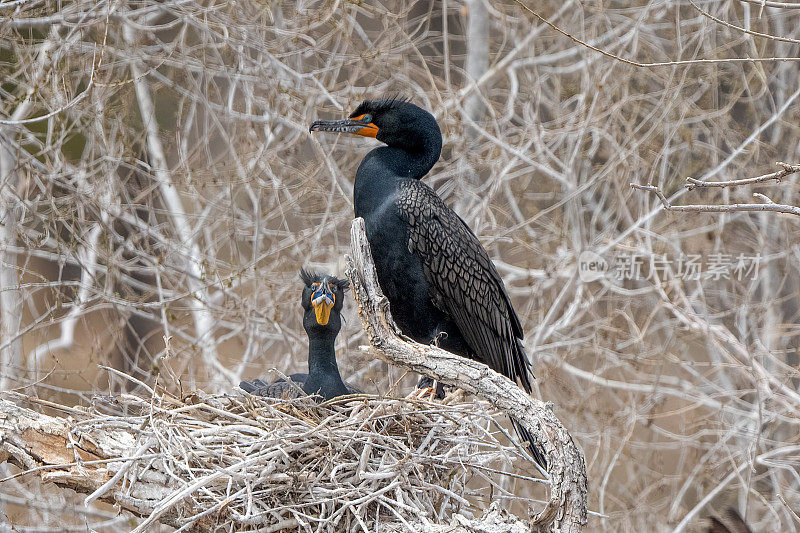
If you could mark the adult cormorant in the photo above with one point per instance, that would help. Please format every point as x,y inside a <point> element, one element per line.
<point>441,284</point>
<point>323,297</point>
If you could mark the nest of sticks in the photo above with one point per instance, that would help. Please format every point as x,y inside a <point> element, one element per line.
<point>358,463</point>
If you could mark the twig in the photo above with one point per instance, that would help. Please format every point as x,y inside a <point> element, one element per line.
<point>786,169</point>
<point>657,63</point>
<point>739,28</point>
<point>736,471</point>
<point>708,208</point>
<point>87,257</point>
<point>768,3</point>
<point>735,153</point>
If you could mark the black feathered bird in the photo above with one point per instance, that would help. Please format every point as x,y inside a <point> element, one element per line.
<point>323,298</point>
<point>440,282</point>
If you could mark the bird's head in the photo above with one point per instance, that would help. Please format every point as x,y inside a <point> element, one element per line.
<point>323,298</point>
<point>395,122</point>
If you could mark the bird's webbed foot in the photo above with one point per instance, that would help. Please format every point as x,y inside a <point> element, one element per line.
<point>434,388</point>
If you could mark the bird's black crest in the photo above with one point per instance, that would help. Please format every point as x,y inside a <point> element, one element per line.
<point>312,277</point>
<point>376,106</point>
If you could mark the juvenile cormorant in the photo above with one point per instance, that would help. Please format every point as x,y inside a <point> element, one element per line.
<point>440,282</point>
<point>323,297</point>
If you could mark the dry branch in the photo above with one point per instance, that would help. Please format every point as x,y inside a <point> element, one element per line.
<point>778,175</point>
<point>566,510</point>
<point>768,206</point>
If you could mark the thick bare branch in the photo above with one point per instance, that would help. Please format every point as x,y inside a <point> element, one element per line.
<point>477,60</point>
<point>47,446</point>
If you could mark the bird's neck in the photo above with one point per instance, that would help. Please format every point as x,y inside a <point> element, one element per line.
<point>321,355</point>
<point>415,164</point>
<point>379,171</point>
<point>412,161</point>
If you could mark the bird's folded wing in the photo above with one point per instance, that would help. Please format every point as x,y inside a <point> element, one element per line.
<point>462,279</point>
<point>280,389</point>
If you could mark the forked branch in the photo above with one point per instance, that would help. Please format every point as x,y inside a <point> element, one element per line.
<point>566,511</point>
<point>768,205</point>
<point>778,175</point>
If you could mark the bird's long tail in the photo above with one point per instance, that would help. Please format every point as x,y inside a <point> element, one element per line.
<point>522,370</point>
<point>522,366</point>
<point>536,454</point>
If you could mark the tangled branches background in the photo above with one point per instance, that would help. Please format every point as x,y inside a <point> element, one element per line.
<point>160,192</point>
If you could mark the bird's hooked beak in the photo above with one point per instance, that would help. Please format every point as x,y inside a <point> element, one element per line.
<point>322,299</point>
<point>360,125</point>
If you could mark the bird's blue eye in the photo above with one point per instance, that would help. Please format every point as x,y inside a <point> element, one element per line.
<point>367,118</point>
